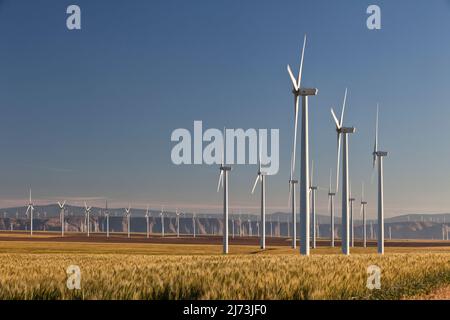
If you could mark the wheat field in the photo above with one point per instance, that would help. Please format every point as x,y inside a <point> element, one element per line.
<point>281,276</point>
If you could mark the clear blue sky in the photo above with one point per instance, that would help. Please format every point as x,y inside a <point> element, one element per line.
<point>88,114</point>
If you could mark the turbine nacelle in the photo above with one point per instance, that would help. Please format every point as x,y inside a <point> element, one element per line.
<point>363,202</point>
<point>380,154</point>
<point>346,130</point>
<point>305,92</point>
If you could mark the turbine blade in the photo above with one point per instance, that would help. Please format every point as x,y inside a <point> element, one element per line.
<point>338,160</point>
<point>290,192</point>
<point>291,75</point>
<point>220,180</point>
<point>362,191</point>
<point>311,174</point>
<point>361,210</point>
<point>336,121</point>
<point>331,173</point>
<point>256,182</point>
<point>294,146</point>
<point>343,108</point>
<point>375,146</point>
<point>300,71</point>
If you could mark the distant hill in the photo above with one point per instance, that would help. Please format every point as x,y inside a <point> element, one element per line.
<point>408,226</point>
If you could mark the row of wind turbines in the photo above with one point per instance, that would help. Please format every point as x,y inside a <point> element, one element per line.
<point>307,188</point>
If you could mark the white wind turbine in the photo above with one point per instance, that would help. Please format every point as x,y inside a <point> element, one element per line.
<point>352,231</point>
<point>31,209</point>
<point>261,176</point>
<point>378,159</point>
<point>193,224</point>
<point>61,216</point>
<point>331,209</point>
<point>146,220</point>
<point>304,163</point>
<point>363,212</point>
<point>343,131</point>
<point>87,217</point>
<point>223,182</point>
<point>161,214</point>
<point>128,216</point>
<point>178,214</point>
<point>106,212</point>
<point>313,189</point>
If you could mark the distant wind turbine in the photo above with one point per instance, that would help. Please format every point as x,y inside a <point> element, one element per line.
<point>31,209</point>
<point>261,176</point>
<point>161,214</point>
<point>363,212</point>
<point>107,218</point>
<point>147,223</point>
<point>343,131</point>
<point>88,219</point>
<point>378,159</point>
<point>331,208</point>
<point>223,182</point>
<point>128,216</point>
<point>313,189</point>
<point>178,214</point>
<point>61,216</point>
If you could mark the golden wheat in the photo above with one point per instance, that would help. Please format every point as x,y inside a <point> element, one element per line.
<point>121,276</point>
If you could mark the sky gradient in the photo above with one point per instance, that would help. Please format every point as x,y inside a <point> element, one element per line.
<point>88,114</point>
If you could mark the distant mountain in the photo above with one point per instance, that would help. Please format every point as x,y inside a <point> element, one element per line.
<point>409,226</point>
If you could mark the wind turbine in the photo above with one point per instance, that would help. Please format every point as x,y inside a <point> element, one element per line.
<point>352,231</point>
<point>304,163</point>
<point>146,220</point>
<point>223,182</point>
<point>363,211</point>
<point>378,159</point>
<point>331,208</point>
<point>343,131</point>
<point>161,214</point>
<point>128,215</point>
<point>313,189</point>
<point>106,212</point>
<point>31,209</point>
<point>61,216</point>
<point>88,221</point>
<point>193,224</point>
<point>261,176</point>
<point>178,214</point>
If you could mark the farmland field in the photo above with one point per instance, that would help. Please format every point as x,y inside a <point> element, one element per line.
<point>37,270</point>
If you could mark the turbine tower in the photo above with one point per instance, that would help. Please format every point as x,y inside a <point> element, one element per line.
<point>161,214</point>
<point>107,219</point>
<point>261,176</point>
<point>178,214</point>
<point>304,163</point>
<point>87,217</point>
<point>223,182</point>
<point>146,220</point>
<point>313,189</point>
<point>128,215</point>
<point>378,159</point>
<point>343,132</point>
<point>193,224</point>
<point>331,208</point>
<point>363,212</point>
<point>31,209</point>
<point>352,231</point>
<point>61,216</point>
